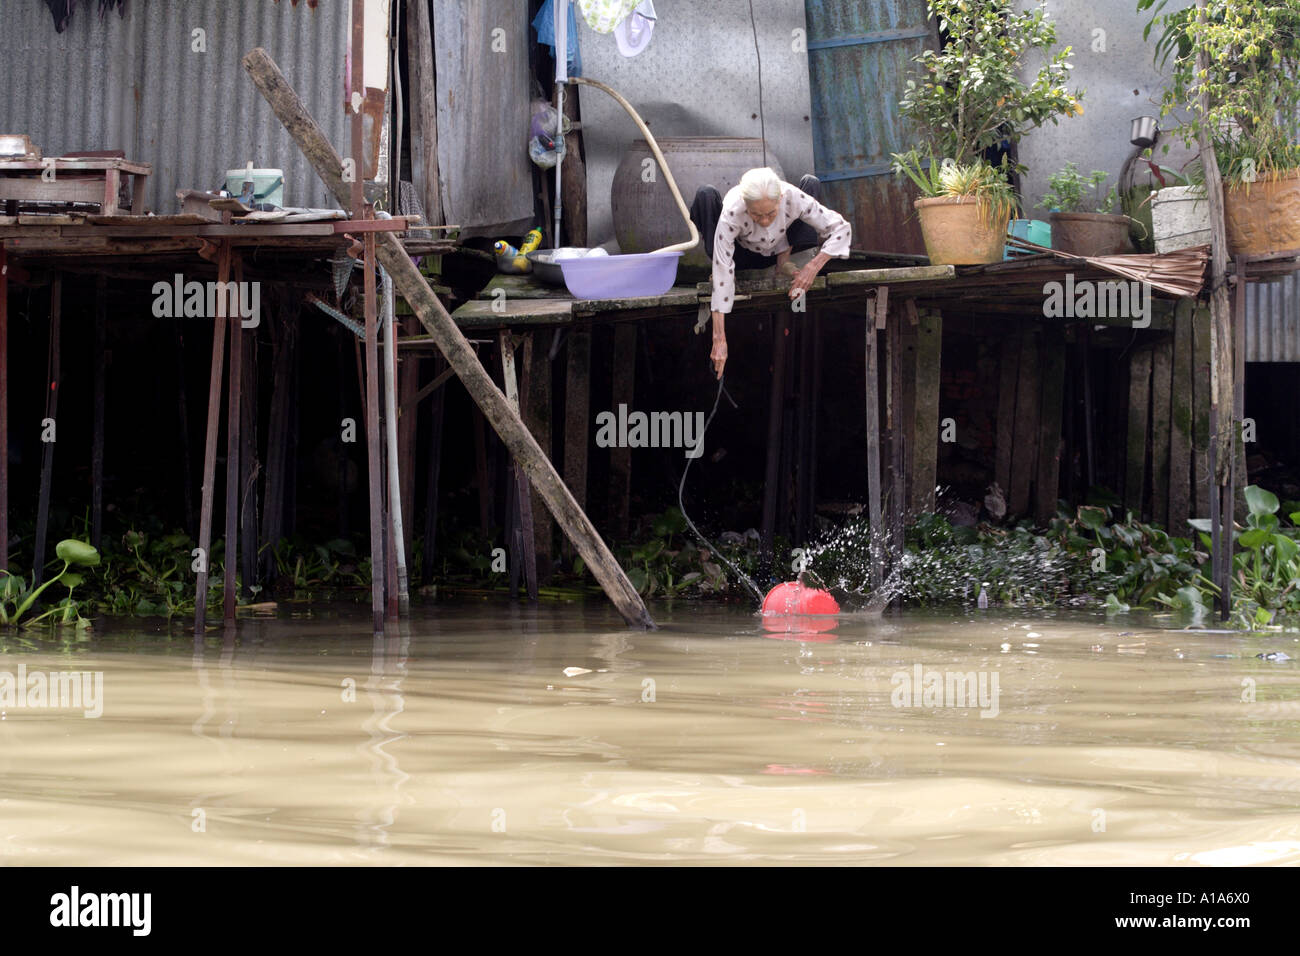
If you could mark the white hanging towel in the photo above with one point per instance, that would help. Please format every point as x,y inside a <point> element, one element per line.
<point>604,15</point>
<point>633,34</point>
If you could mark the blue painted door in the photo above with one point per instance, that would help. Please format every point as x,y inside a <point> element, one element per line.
<point>859,58</point>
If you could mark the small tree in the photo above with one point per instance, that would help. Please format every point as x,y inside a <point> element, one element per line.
<point>1248,99</point>
<point>970,94</point>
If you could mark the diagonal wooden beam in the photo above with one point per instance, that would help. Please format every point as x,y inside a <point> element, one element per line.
<point>289,108</point>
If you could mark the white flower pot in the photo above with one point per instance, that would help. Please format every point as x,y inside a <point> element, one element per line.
<point>1180,217</point>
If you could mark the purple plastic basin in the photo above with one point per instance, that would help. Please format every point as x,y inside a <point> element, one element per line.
<point>620,277</point>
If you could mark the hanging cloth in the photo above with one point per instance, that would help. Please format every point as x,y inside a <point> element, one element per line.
<point>544,24</point>
<point>633,34</point>
<point>604,15</point>
<point>61,10</point>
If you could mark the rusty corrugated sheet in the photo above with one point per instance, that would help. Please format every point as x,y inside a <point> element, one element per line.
<point>135,83</point>
<point>859,57</point>
<point>483,114</point>
<point>1273,320</point>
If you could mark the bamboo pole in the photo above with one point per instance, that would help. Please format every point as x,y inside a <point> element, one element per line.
<point>290,110</point>
<point>210,445</point>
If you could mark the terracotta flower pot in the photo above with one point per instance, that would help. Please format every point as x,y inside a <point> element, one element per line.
<point>1090,234</point>
<point>957,231</point>
<point>1264,219</point>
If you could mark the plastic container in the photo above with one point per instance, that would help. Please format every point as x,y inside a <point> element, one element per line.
<point>1030,230</point>
<point>621,277</point>
<point>1180,218</point>
<point>268,184</point>
<point>795,598</point>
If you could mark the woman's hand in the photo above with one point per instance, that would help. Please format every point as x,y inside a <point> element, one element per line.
<point>804,278</point>
<point>719,354</point>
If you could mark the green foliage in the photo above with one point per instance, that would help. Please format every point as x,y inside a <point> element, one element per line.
<point>977,180</point>
<point>1071,191</point>
<point>667,564</point>
<point>17,596</point>
<point>972,94</point>
<point>1247,98</point>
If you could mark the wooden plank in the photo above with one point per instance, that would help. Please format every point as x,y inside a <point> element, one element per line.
<point>1008,373</point>
<point>620,459</point>
<point>1180,432</point>
<point>210,450</point>
<point>1139,413</point>
<point>860,277</point>
<point>1201,477</point>
<point>524,557</point>
<point>234,423</point>
<point>577,417</point>
<point>1024,455</point>
<point>75,165</point>
<point>149,222</point>
<point>86,189</point>
<point>925,458</point>
<point>897,440</point>
<point>1162,361</point>
<point>1048,480</point>
<point>573,176</point>
<point>480,314</point>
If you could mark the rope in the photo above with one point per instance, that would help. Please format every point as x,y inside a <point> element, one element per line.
<point>762,123</point>
<point>682,505</point>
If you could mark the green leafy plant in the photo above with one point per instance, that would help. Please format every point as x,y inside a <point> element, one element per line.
<point>17,597</point>
<point>1247,99</point>
<point>1071,191</point>
<point>976,180</point>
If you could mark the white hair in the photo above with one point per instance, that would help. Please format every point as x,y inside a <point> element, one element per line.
<point>760,183</point>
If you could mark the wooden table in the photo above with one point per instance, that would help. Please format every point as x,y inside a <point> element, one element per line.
<point>75,180</point>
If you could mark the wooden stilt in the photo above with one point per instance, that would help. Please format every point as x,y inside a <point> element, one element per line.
<point>1024,455</point>
<point>183,427</point>
<point>1008,372</point>
<point>250,468</point>
<point>408,386</point>
<point>1180,432</point>
<point>526,555</point>
<point>1202,473</point>
<point>1047,484</point>
<point>204,556</point>
<point>234,419</point>
<point>1089,425</point>
<point>437,407</point>
<point>620,459</point>
<point>1240,478</point>
<point>284,343</point>
<point>873,449</point>
<point>4,408</point>
<point>897,440</point>
<point>803,432</point>
<point>1162,363</point>
<point>536,389</point>
<point>907,404</point>
<point>929,351</point>
<point>1139,412</point>
<point>775,407</point>
<point>289,108</point>
<point>577,415</point>
<point>97,417</point>
<point>378,560</point>
<point>51,418</point>
<point>481,472</point>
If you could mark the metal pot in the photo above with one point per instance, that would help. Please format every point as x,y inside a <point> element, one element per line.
<point>1143,132</point>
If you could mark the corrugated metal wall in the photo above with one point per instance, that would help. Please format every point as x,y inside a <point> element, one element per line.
<point>135,84</point>
<point>1273,320</point>
<point>859,58</point>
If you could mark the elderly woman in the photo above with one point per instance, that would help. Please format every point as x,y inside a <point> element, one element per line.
<point>768,219</point>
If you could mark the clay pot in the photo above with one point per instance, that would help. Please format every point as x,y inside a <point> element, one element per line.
<point>957,231</point>
<point>1090,234</point>
<point>1264,219</point>
<point>646,217</point>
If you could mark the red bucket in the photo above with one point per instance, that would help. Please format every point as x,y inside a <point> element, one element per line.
<point>795,598</point>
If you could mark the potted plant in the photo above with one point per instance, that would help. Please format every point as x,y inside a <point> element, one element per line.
<point>1246,102</point>
<point>1083,217</point>
<point>968,98</point>
<point>1180,211</point>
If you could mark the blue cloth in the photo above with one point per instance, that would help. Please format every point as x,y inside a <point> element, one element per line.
<point>544,24</point>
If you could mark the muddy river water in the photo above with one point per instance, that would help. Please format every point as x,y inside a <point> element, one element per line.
<point>489,733</point>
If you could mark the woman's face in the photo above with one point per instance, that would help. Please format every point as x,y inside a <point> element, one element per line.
<point>763,211</point>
